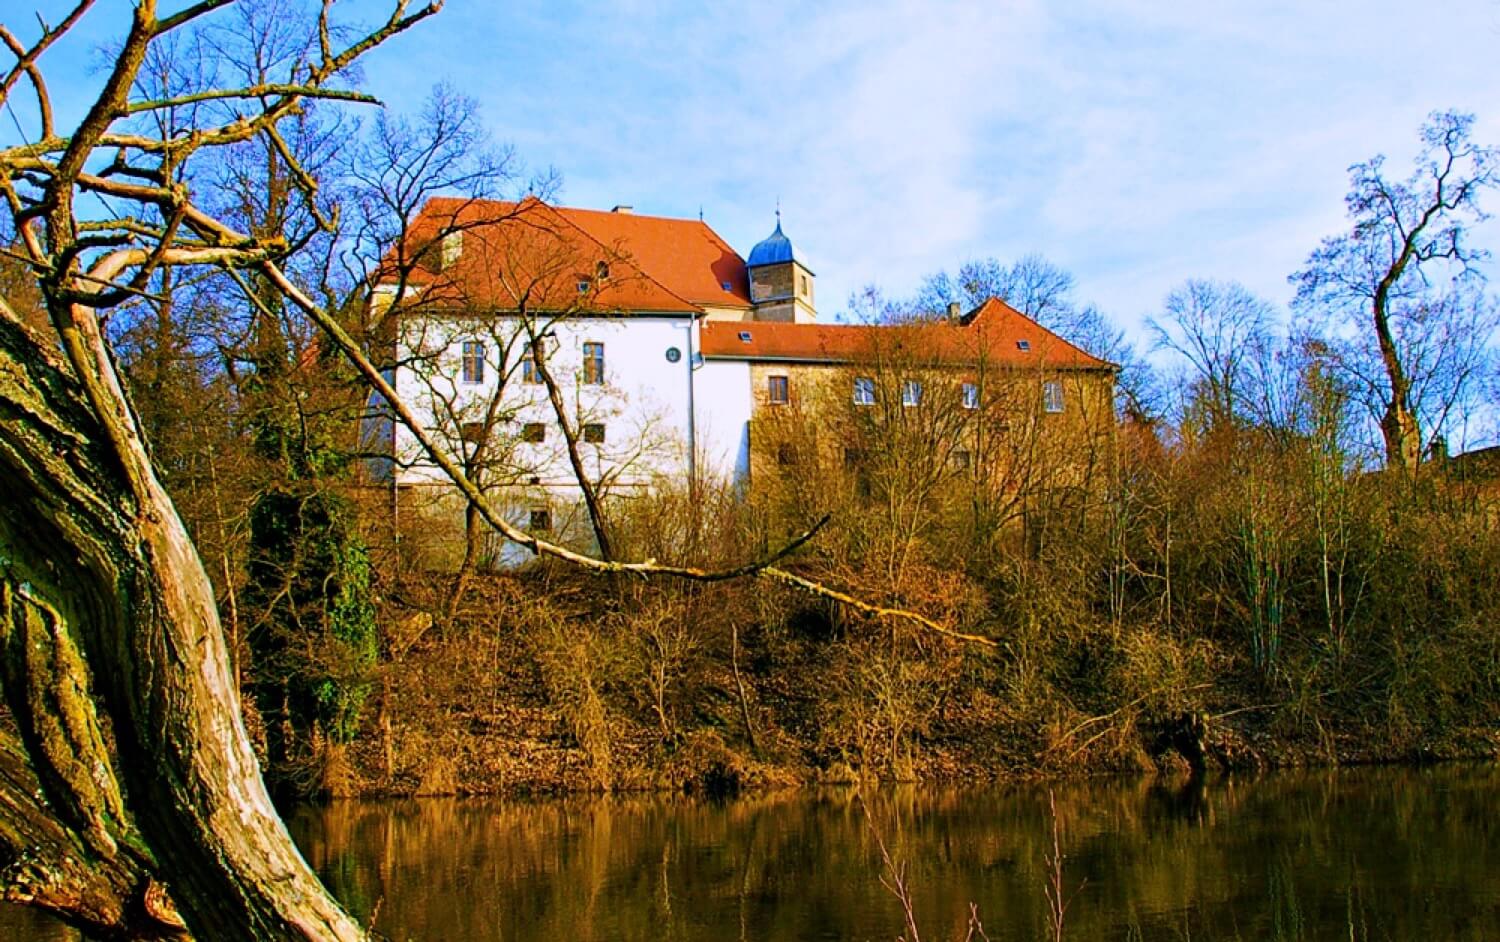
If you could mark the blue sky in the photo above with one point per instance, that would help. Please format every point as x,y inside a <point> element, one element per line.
<point>1136,142</point>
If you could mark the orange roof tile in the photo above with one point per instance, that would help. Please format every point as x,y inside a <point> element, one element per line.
<point>540,254</point>
<point>994,332</point>
<point>685,255</point>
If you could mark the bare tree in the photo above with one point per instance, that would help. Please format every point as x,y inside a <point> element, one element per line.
<point>1218,327</point>
<point>396,167</point>
<point>1399,297</point>
<point>1032,285</point>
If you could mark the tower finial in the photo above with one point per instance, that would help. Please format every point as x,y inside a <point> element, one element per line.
<point>778,211</point>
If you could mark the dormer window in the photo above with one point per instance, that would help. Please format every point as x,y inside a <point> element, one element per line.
<point>744,336</point>
<point>726,286</point>
<point>583,286</point>
<point>1023,345</point>
<point>601,271</point>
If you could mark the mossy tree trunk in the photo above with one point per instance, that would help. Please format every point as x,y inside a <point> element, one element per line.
<point>111,628</point>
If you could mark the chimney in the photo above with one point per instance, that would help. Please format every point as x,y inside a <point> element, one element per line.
<point>450,248</point>
<point>623,209</point>
<point>953,311</point>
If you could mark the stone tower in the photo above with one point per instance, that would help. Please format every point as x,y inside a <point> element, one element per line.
<point>781,287</point>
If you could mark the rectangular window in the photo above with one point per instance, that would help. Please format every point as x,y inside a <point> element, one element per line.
<point>778,390</point>
<point>593,363</point>
<point>593,433</point>
<point>962,459</point>
<point>971,396</point>
<point>541,520</point>
<point>864,391</point>
<point>533,432</point>
<point>1052,396</point>
<point>473,357</point>
<point>911,393</point>
<point>530,372</point>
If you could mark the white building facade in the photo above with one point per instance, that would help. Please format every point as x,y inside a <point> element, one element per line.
<point>614,303</point>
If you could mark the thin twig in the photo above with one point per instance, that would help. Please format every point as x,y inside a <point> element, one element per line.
<point>894,878</point>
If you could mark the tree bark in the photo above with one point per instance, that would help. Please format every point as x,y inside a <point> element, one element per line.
<point>90,538</point>
<point>49,866</point>
<point>1398,425</point>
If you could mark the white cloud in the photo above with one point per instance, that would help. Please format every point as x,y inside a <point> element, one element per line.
<point>1139,143</point>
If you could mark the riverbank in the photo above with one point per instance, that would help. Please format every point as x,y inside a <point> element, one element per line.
<point>521,696</point>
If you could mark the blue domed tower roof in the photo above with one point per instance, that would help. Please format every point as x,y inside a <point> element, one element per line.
<point>773,249</point>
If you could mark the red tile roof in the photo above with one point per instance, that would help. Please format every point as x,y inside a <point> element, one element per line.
<point>685,255</point>
<point>540,253</point>
<point>994,333</point>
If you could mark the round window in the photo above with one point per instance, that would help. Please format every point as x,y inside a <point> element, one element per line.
<point>673,354</point>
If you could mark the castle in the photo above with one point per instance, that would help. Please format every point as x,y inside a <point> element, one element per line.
<point>540,343</point>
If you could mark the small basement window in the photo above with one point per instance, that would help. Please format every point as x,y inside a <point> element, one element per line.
<point>593,433</point>
<point>533,432</point>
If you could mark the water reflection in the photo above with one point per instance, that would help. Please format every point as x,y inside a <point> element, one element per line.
<point>1367,854</point>
<point>1389,853</point>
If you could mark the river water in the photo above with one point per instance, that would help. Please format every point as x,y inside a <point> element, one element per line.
<point>1354,854</point>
